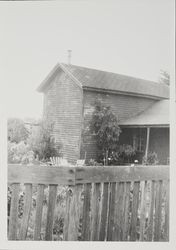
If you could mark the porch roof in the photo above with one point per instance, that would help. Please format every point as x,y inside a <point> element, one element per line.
<point>156,115</point>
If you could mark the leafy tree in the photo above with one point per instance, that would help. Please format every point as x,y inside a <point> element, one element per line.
<point>164,77</point>
<point>104,126</point>
<point>17,131</point>
<point>42,142</point>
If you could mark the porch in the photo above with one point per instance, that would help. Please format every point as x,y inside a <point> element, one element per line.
<point>147,139</point>
<point>149,132</point>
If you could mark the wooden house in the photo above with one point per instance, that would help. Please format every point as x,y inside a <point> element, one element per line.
<point>141,106</point>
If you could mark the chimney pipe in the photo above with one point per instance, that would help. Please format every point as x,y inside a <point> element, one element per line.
<point>69,56</point>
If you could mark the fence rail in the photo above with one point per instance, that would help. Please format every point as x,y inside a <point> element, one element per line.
<point>113,203</point>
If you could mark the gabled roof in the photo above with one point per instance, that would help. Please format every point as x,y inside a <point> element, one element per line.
<point>156,115</point>
<point>107,81</point>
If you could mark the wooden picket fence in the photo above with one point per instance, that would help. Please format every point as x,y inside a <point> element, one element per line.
<point>111,203</point>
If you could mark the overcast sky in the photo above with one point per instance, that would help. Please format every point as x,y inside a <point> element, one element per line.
<point>131,37</point>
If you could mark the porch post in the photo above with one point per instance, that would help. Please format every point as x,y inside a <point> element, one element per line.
<point>147,142</point>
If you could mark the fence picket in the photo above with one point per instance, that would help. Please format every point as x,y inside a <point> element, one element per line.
<point>86,213</point>
<point>26,213</point>
<point>166,222</point>
<point>111,225</point>
<point>39,209</point>
<point>151,209</point>
<point>116,219</point>
<point>71,224</point>
<point>116,231</point>
<point>158,204</point>
<point>14,212</point>
<point>134,214</point>
<point>74,219</point>
<point>126,211</point>
<point>121,210</point>
<point>95,212</point>
<point>67,212</point>
<point>143,210</point>
<point>78,208</point>
<point>50,211</point>
<point>104,212</point>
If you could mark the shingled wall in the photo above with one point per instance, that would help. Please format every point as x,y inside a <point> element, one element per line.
<point>63,108</point>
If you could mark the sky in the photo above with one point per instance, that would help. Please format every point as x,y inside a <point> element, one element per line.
<point>131,37</point>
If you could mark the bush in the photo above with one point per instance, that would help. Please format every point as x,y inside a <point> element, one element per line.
<point>92,162</point>
<point>43,144</point>
<point>24,147</point>
<point>17,131</point>
<point>152,159</point>
<point>126,153</point>
<point>123,154</point>
<point>20,153</point>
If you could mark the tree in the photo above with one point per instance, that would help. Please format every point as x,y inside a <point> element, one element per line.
<point>104,126</point>
<point>17,131</point>
<point>164,77</point>
<point>42,142</point>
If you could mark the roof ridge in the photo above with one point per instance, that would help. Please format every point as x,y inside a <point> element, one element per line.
<point>110,72</point>
<point>85,77</point>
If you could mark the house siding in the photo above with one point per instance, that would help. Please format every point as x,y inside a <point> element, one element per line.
<point>63,108</point>
<point>123,107</point>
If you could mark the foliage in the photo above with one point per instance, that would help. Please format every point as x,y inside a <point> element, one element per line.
<point>26,147</point>
<point>17,131</point>
<point>126,152</point>
<point>104,126</point>
<point>152,159</point>
<point>127,149</point>
<point>42,142</point>
<point>164,77</point>
<point>20,153</point>
<point>92,162</point>
<point>114,158</point>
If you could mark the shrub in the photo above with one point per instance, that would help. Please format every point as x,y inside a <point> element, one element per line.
<point>92,162</point>
<point>17,131</point>
<point>126,153</point>
<point>42,142</point>
<point>152,159</point>
<point>20,153</point>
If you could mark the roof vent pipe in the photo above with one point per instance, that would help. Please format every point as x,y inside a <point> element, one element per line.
<point>69,56</point>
